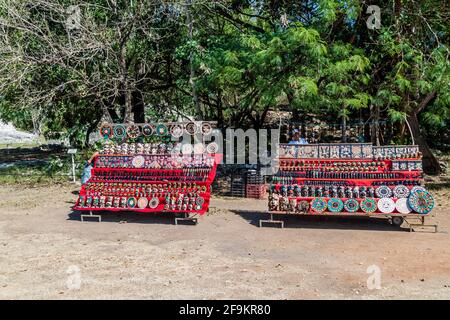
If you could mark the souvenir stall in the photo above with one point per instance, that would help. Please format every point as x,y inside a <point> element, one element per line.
<point>145,168</point>
<point>353,179</point>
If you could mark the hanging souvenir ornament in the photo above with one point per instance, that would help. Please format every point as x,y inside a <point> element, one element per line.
<point>386,205</point>
<point>199,201</point>
<point>351,205</point>
<point>133,131</point>
<point>335,205</point>
<point>402,206</point>
<point>154,202</point>
<point>138,161</point>
<point>368,205</point>
<point>421,201</point>
<point>176,131</point>
<point>401,191</point>
<point>383,192</point>
<point>119,132</point>
<point>161,129</point>
<point>191,128</point>
<point>206,128</point>
<point>318,205</point>
<point>142,203</point>
<point>212,147</point>
<point>147,130</point>
<point>106,131</point>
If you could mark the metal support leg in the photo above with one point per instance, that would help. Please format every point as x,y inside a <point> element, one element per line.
<point>271,221</point>
<point>186,218</point>
<point>91,215</point>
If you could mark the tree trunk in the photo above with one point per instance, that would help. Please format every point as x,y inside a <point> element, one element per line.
<point>430,163</point>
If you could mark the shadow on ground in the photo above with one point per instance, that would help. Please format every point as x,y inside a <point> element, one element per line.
<point>321,222</point>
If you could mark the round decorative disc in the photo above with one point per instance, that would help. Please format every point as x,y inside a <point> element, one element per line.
<point>368,205</point>
<point>199,148</point>
<point>120,131</point>
<point>106,131</point>
<point>351,205</point>
<point>318,205</point>
<point>131,202</point>
<point>212,147</point>
<point>386,205</point>
<point>138,161</point>
<point>154,202</point>
<point>206,128</point>
<point>303,206</point>
<point>421,201</point>
<point>176,131</point>
<point>335,205</point>
<point>191,128</point>
<point>402,206</point>
<point>161,129</point>
<point>415,188</point>
<point>147,130</point>
<point>401,191</point>
<point>142,203</point>
<point>383,192</point>
<point>199,201</point>
<point>133,131</point>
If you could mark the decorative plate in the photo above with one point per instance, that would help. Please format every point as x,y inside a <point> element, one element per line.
<point>318,205</point>
<point>351,205</point>
<point>335,205</point>
<point>421,201</point>
<point>120,131</point>
<point>212,147</point>
<point>147,130</point>
<point>402,205</point>
<point>186,148</point>
<point>206,128</point>
<point>401,191</point>
<point>415,188</point>
<point>142,203</point>
<point>161,129</point>
<point>133,131</point>
<point>199,201</point>
<point>383,192</point>
<point>106,131</point>
<point>386,205</point>
<point>131,202</point>
<point>191,128</point>
<point>176,131</point>
<point>138,161</point>
<point>368,205</point>
<point>154,202</point>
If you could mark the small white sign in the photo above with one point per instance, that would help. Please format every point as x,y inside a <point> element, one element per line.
<point>72,151</point>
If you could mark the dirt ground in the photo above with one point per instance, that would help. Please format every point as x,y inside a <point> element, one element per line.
<point>47,253</point>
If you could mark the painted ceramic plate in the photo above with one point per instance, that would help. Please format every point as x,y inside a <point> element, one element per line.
<point>402,206</point>
<point>401,191</point>
<point>142,203</point>
<point>386,205</point>
<point>120,131</point>
<point>138,161</point>
<point>368,205</point>
<point>421,201</point>
<point>131,202</point>
<point>154,202</point>
<point>206,128</point>
<point>161,129</point>
<point>191,128</point>
<point>147,130</point>
<point>335,205</point>
<point>199,148</point>
<point>351,205</point>
<point>212,147</point>
<point>106,131</point>
<point>176,131</point>
<point>318,205</point>
<point>133,131</point>
<point>415,188</point>
<point>383,192</point>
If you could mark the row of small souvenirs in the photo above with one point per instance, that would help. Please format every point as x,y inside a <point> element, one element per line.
<point>340,166</point>
<point>159,148</point>
<point>341,191</point>
<point>143,189</point>
<point>133,131</point>
<point>155,161</point>
<point>170,203</point>
<point>418,201</point>
<point>348,151</point>
<point>152,175</point>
